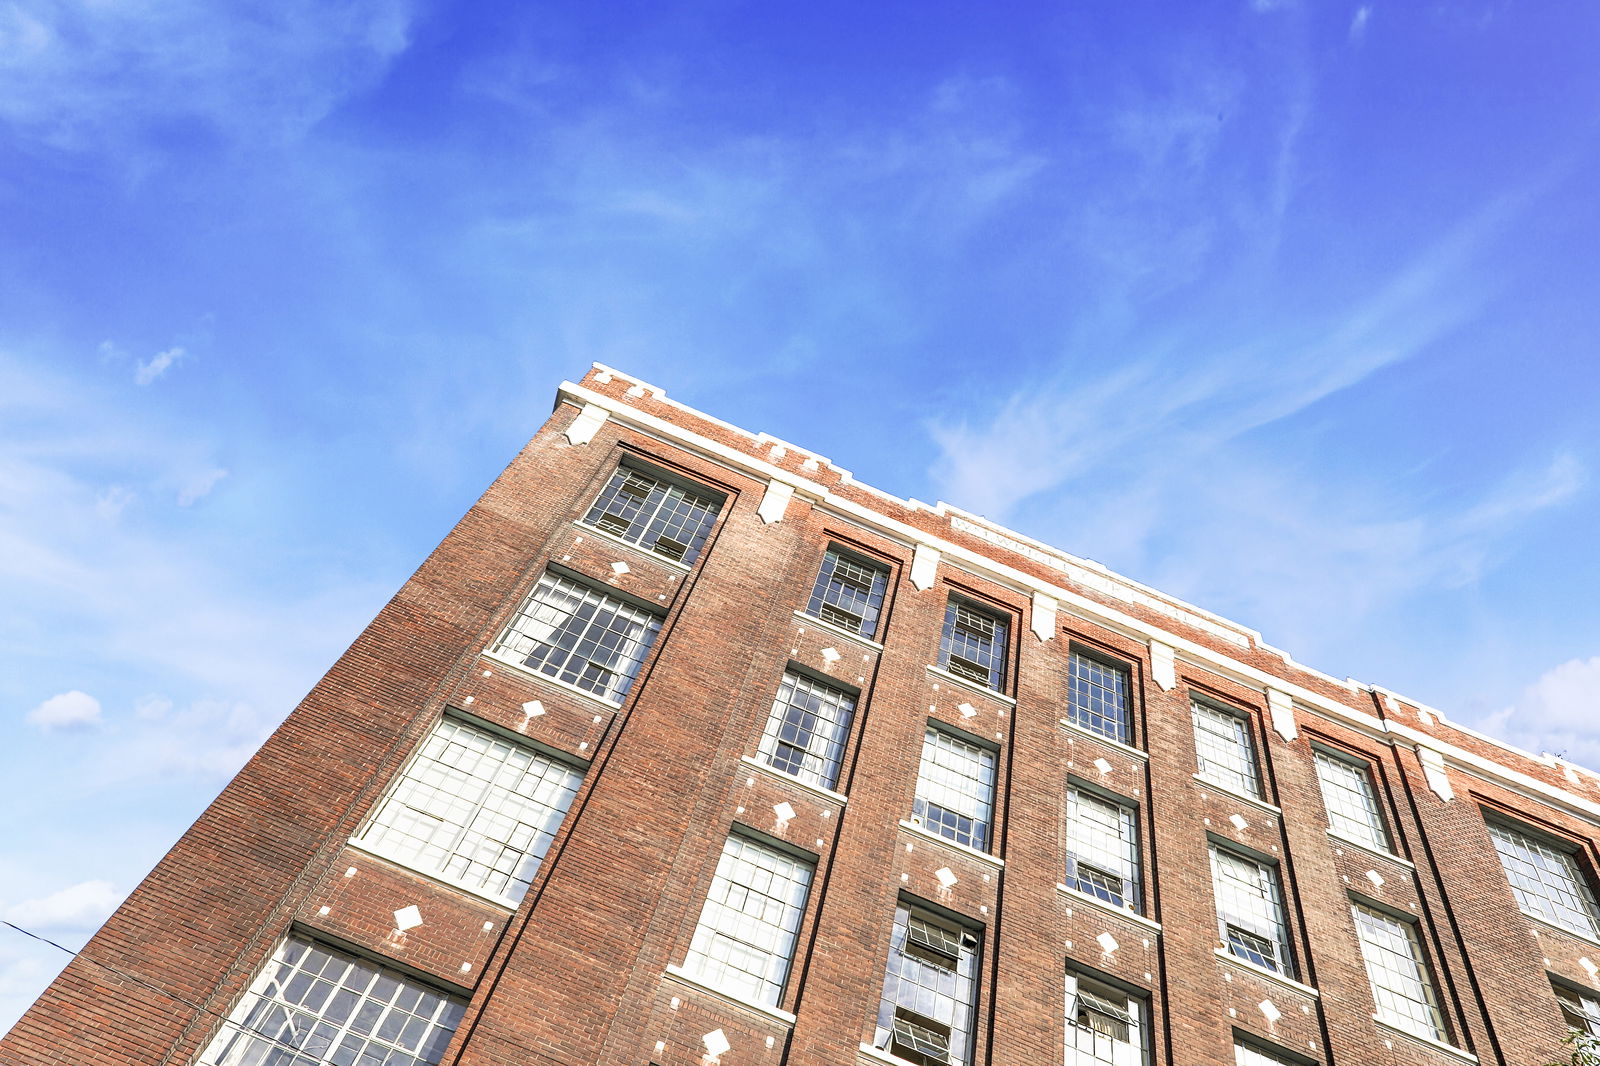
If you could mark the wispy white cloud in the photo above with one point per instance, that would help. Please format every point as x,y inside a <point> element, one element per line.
<point>150,369</point>
<point>1558,713</point>
<point>66,711</point>
<point>199,485</point>
<point>1358,22</point>
<point>77,907</point>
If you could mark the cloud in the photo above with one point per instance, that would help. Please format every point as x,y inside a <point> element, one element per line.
<point>1559,712</point>
<point>147,371</point>
<point>1358,22</point>
<point>208,739</point>
<point>67,711</point>
<point>152,708</point>
<point>77,907</point>
<point>200,485</point>
<point>110,504</point>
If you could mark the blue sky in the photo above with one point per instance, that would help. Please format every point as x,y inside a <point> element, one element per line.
<point>1287,308</point>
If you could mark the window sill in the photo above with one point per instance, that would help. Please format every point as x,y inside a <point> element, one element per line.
<point>1077,895</point>
<point>1115,745</point>
<point>631,546</point>
<point>772,771</point>
<point>823,623</point>
<point>1437,1045</point>
<point>1261,804</point>
<point>945,675</point>
<point>680,974</point>
<point>564,686</point>
<point>965,849</point>
<point>1370,850</point>
<point>1262,971</point>
<point>872,1054</point>
<point>460,886</point>
<point>1548,924</point>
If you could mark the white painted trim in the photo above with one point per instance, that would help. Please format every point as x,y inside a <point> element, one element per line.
<point>775,501</point>
<point>432,875</point>
<point>565,686</point>
<point>1548,924</point>
<point>1434,773</point>
<point>680,974</point>
<point>1228,793</point>
<point>1369,849</point>
<point>924,565</point>
<point>644,553</point>
<point>1437,1045</point>
<point>945,675</point>
<point>1114,745</point>
<point>1042,619</point>
<point>586,424</point>
<point>836,798</point>
<point>866,642</point>
<point>971,852</point>
<point>1076,895</point>
<point>1262,971</point>
<point>1280,709</point>
<point>1163,665</point>
<point>883,1056</point>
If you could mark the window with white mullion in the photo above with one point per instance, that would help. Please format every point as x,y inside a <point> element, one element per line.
<point>1401,987</point>
<point>849,593</point>
<point>1105,1027</point>
<point>1546,881</point>
<point>1250,921</point>
<point>1581,1009</point>
<point>1352,804</point>
<point>579,635</point>
<point>1097,697</point>
<point>1250,1055</point>
<point>973,644</point>
<point>925,1015</point>
<point>955,789</point>
<point>806,731</point>
<point>666,519</point>
<point>1224,748</point>
<point>1102,849</point>
<point>745,940</point>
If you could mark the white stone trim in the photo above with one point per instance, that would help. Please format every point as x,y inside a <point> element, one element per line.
<point>1074,895</point>
<point>837,798</point>
<point>1437,1045</point>
<point>678,973</point>
<point>1262,971</point>
<point>587,424</point>
<point>775,502</point>
<point>1163,668</point>
<point>982,856</point>
<point>1434,773</point>
<point>1115,745</point>
<point>1043,617</point>
<point>924,567</point>
<point>1281,709</point>
<point>432,875</point>
<point>945,675</point>
<point>823,623</point>
<point>1228,793</point>
<point>1370,850</point>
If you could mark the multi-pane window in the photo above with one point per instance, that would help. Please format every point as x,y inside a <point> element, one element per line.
<point>928,993</point>
<point>315,1006</point>
<point>579,635</point>
<point>745,940</point>
<point>1097,697</point>
<point>1102,848</point>
<point>1400,984</point>
<point>1251,1055</point>
<point>659,516</point>
<point>1250,920</point>
<point>849,593</point>
<point>1352,805</point>
<point>1226,752</point>
<point>806,732</point>
<point>1105,1027</point>
<point>973,645</point>
<point>1580,1008</point>
<point>475,808</point>
<point>1546,881</point>
<point>955,789</point>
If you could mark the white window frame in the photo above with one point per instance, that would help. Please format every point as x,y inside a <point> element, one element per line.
<point>956,776</point>
<point>1087,1045</point>
<point>1092,846</point>
<point>1251,1053</point>
<point>1554,889</point>
<point>1083,707</point>
<point>1232,765</point>
<point>592,641</point>
<point>751,918</point>
<point>668,504</point>
<point>1242,885</point>
<point>1402,985</point>
<point>822,756</point>
<point>827,601</point>
<point>965,622</point>
<point>1351,799</point>
<point>1580,1008</point>
<point>930,985</point>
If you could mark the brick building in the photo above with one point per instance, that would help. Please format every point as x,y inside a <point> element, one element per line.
<point>684,748</point>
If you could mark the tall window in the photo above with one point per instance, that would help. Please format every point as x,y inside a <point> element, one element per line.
<point>745,940</point>
<point>334,1009</point>
<point>1251,1055</point>
<point>579,635</point>
<point>1104,1025</point>
<point>1102,848</point>
<point>1352,804</point>
<point>1098,698</point>
<point>973,645</point>
<point>1226,753</point>
<point>1400,983</point>
<point>1580,1008</point>
<point>474,808</point>
<point>955,789</point>
<point>1546,880</point>
<point>1250,911</point>
<point>925,1015</point>
<point>849,593</point>
<point>660,517</point>
<point>806,731</point>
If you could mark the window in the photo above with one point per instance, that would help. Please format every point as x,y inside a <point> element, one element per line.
<point>1546,880</point>
<point>1250,911</point>
<point>973,645</point>
<point>955,789</point>
<point>335,1009</point>
<point>1352,804</point>
<point>745,939</point>
<point>1102,848</point>
<point>1400,984</point>
<point>579,635</point>
<point>849,593</point>
<point>660,517</point>
<point>1097,697</point>
<point>474,808</point>
<point>1579,1007</point>
<point>806,732</point>
<point>1251,1055</point>
<point>1226,753</point>
<point>926,1012</point>
<point>1104,1025</point>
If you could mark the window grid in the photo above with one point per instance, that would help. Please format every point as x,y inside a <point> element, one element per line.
<point>1580,1009</point>
<point>955,789</point>
<point>1400,984</point>
<point>475,808</point>
<point>1226,754</point>
<point>1250,1055</point>
<point>745,939</point>
<point>336,1009</point>
<point>660,517</point>
<point>849,593</point>
<point>973,644</point>
<point>581,636</point>
<point>1352,805</point>
<point>925,990</point>
<point>1546,881</point>
<point>805,734</point>
<point>1102,849</point>
<point>1250,920</point>
<point>1098,698</point>
<point>1104,1026</point>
